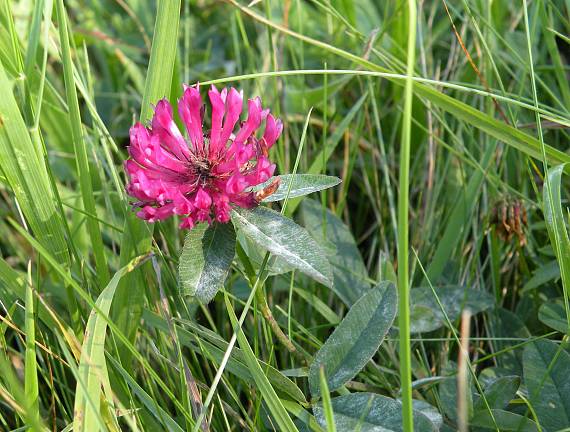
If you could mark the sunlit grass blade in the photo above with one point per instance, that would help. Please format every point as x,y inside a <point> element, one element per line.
<point>91,364</point>
<point>31,366</point>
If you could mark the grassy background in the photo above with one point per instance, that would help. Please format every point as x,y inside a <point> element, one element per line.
<point>490,114</point>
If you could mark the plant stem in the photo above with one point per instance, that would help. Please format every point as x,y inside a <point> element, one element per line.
<point>261,275</point>
<point>264,307</point>
<point>282,337</point>
<point>403,235</point>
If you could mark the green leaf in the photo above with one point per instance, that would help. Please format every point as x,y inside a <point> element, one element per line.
<point>285,239</point>
<point>429,411</point>
<point>275,265</point>
<point>499,393</point>
<point>427,313</point>
<point>543,274</point>
<point>275,408</point>
<point>505,420</point>
<point>448,391</point>
<point>206,260</point>
<point>356,339</point>
<point>547,377</point>
<point>296,185</point>
<point>368,412</point>
<point>92,362</point>
<point>349,272</point>
<point>553,315</point>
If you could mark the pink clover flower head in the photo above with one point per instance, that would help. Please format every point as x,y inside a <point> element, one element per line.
<point>202,174</point>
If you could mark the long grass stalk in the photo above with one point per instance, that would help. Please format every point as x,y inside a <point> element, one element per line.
<point>80,149</point>
<point>403,230</point>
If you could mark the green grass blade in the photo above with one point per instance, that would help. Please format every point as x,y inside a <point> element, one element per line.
<point>556,225</point>
<point>162,56</point>
<point>27,175</point>
<point>80,149</point>
<point>276,408</point>
<point>552,208</point>
<point>160,414</point>
<point>91,364</point>
<point>327,406</point>
<point>495,128</point>
<point>403,230</point>
<point>31,365</point>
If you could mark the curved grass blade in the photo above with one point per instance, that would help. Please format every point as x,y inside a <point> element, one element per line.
<point>91,364</point>
<point>556,225</point>
<point>462,111</point>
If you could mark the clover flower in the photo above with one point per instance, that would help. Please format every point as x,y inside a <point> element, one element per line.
<point>200,176</point>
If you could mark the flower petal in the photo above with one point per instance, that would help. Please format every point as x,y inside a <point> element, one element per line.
<point>254,115</point>
<point>217,100</point>
<point>170,137</point>
<point>273,129</point>
<point>190,111</point>
<point>234,105</point>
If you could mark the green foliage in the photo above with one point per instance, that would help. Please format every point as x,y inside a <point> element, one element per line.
<point>356,339</point>
<point>349,271</point>
<point>92,373</point>
<point>284,239</point>
<point>293,327</point>
<point>296,185</point>
<point>546,374</point>
<point>370,412</point>
<point>206,259</point>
